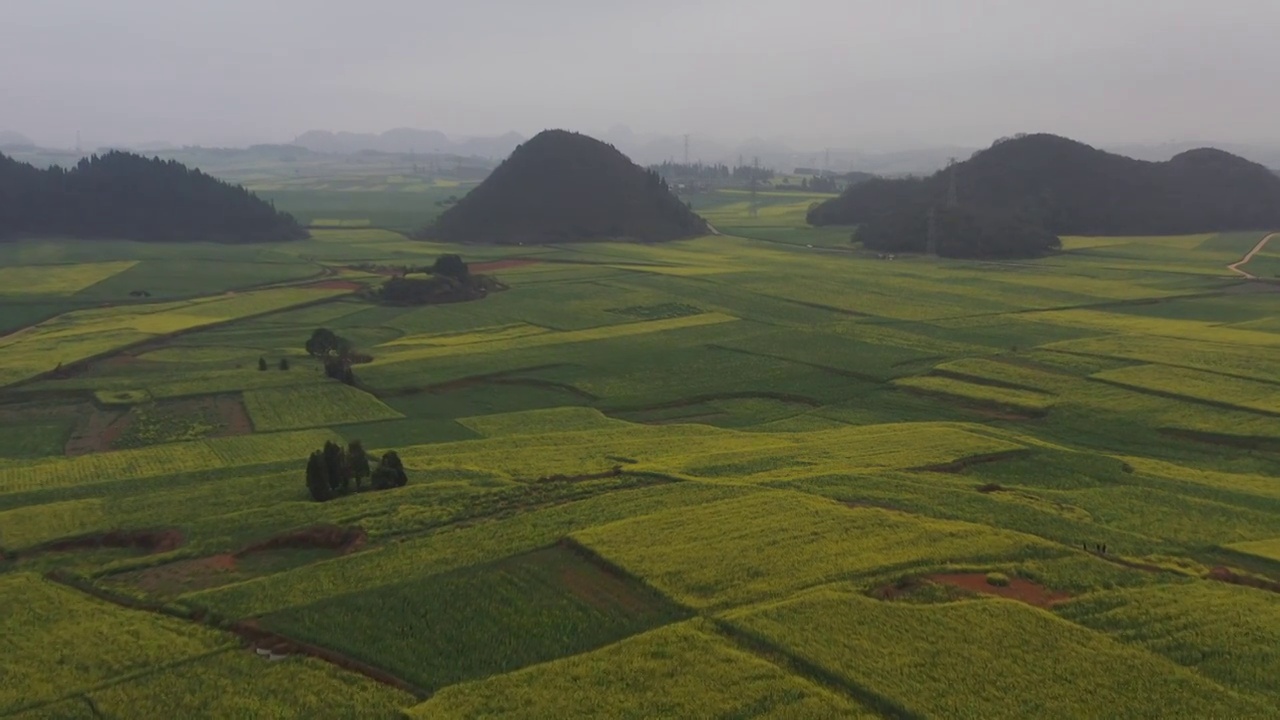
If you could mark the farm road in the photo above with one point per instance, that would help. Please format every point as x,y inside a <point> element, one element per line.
<point>1235,266</point>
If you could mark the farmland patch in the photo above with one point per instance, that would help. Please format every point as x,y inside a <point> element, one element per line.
<point>305,406</point>
<point>483,620</point>
<point>682,670</point>
<point>1043,662</point>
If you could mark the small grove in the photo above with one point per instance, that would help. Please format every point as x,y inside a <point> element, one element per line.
<point>332,470</point>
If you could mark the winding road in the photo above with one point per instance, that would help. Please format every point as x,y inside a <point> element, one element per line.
<point>1235,266</point>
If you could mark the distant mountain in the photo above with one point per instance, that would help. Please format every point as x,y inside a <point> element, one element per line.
<point>567,187</point>
<point>8,138</point>
<point>125,196</point>
<point>1069,188</point>
<point>1265,154</point>
<point>407,140</point>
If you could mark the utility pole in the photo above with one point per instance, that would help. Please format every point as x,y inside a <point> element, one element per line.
<point>953,195</point>
<point>755,187</point>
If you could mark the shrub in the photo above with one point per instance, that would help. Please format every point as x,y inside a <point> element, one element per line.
<point>997,579</point>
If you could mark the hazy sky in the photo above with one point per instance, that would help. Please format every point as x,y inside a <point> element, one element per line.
<point>869,73</point>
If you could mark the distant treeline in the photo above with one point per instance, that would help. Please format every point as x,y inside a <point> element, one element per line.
<point>1016,197</point>
<point>717,171</point>
<point>125,196</point>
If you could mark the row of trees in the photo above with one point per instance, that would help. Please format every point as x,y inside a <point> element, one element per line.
<point>332,470</point>
<point>125,196</point>
<point>712,172</point>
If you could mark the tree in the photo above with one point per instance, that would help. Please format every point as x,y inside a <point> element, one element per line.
<point>318,478</point>
<point>390,472</point>
<point>451,266</point>
<point>325,343</point>
<point>284,363</point>
<point>335,461</point>
<point>262,364</point>
<point>357,462</point>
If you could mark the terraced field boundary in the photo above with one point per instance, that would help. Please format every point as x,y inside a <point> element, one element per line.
<point>795,665</point>
<point>246,630</point>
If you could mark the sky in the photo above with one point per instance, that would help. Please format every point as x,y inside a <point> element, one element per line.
<point>870,74</point>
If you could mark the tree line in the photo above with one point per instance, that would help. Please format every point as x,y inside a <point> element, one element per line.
<point>120,195</point>
<point>332,469</point>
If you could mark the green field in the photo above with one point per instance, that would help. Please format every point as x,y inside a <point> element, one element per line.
<point>733,476</point>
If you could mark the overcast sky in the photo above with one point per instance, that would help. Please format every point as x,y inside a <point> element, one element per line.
<point>844,73</point>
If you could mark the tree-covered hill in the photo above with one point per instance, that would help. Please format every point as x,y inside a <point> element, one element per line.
<point>1068,188</point>
<point>126,196</point>
<point>567,187</point>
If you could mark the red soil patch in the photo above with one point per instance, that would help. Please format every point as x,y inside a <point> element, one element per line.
<point>97,431</point>
<point>325,537</point>
<point>350,285</point>
<point>234,414</point>
<point>258,637</point>
<point>1227,575</point>
<point>183,576</point>
<point>102,429</point>
<point>149,541</point>
<point>1018,588</point>
<point>599,584</point>
<point>501,264</point>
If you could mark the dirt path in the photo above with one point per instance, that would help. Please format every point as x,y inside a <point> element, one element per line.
<point>1235,266</point>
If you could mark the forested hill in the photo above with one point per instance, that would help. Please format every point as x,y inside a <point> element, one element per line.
<point>1068,188</point>
<point>566,187</point>
<point>126,196</point>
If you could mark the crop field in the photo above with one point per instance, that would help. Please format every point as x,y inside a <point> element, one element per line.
<point>535,607</point>
<point>1042,661</point>
<point>684,670</point>
<point>57,641</point>
<point>1198,385</point>
<point>306,406</point>
<point>732,476</point>
<point>58,279</point>
<point>768,545</point>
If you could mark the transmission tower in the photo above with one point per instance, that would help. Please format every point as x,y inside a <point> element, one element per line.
<point>686,150</point>
<point>953,196</point>
<point>755,187</point>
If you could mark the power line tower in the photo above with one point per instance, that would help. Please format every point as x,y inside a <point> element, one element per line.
<point>755,187</point>
<point>952,200</point>
<point>953,195</point>
<point>686,150</point>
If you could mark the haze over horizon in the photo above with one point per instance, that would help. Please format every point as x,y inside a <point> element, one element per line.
<point>834,73</point>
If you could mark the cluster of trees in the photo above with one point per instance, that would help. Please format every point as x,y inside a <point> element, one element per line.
<point>337,353</point>
<point>1033,186</point>
<point>263,366</point>
<point>125,196</point>
<point>567,187</point>
<point>448,280</point>
<point>332,470</point>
